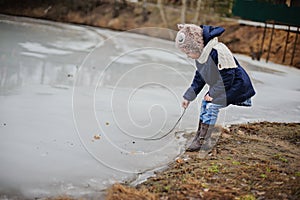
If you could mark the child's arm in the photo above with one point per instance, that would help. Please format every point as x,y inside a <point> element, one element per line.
<point>196,87</point>
<point>185,103</point>
<point>207,97</point>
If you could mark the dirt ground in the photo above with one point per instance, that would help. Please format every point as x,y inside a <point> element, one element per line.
<point>238,37</point>
<point>250,161</point>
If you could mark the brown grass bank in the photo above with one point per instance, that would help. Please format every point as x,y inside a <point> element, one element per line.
<point>250,161</point>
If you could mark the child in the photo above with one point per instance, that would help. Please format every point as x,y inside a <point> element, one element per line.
<point>216,66</point>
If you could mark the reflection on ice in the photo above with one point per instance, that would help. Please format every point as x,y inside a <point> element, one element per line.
<point>38,48</point>
<point>37,55</point>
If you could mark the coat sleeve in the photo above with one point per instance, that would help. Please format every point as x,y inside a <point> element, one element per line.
<point>195,88</point>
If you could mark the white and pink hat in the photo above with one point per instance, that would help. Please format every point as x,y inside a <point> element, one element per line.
<point>189,38</point>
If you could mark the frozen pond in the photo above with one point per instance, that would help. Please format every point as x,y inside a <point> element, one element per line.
<point>77,104</point>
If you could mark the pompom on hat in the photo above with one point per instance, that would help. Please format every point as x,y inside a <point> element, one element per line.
<point>189,38</point>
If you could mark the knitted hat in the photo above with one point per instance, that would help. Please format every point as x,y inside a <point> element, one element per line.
<point>189,38</point>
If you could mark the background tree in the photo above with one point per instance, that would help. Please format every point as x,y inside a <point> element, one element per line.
<point>145,12</point>
<point>118,6</point>
<point>162,12</point>
<point>196,17</point>
<point>183,11</point>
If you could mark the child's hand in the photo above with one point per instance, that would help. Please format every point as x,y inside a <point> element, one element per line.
<point>208,98</point>
<point>185,103</point>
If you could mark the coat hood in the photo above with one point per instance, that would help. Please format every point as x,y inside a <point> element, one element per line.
<point>209,32</point>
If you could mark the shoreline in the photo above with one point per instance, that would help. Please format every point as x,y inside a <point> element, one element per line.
<point>250,161</point>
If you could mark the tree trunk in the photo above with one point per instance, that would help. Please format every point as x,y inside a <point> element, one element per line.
<point>164,18</point>
<point>124,3</point>
<point>196,17</point>
<point>116,9</point>
<point>145,12</point>
<point>162,12</point>
<point>183,11</point>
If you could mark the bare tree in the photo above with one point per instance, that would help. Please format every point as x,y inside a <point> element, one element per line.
<point>164,18</point>
<point>162,12</point>
<point>196,17</point>
<point>117,7</point>
<point>183,11</point>
<point>145,12</point>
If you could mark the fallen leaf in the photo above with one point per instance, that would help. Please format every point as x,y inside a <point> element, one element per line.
<point>278,183</point>
<point>97,137</point>
<point>260,193</point>
<point>240,132</point>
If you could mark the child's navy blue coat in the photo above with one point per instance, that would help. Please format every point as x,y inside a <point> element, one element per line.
<point>227,86</point>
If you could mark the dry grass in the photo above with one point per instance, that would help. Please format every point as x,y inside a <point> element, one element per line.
<point>250,161</point>
<point>121,192</point>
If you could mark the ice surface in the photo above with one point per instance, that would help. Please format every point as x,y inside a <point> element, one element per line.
<point>60,85</point>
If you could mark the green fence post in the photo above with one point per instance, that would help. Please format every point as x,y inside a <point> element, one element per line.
<point>270,44</point>
<point>294,49</point>
<point>286,42</point>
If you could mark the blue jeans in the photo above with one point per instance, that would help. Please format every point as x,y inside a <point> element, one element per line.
<point>209,112</point>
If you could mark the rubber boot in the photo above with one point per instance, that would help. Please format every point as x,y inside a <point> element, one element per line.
<point>207,144</point>
<point>198,132</point>
<point>197,143</point>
